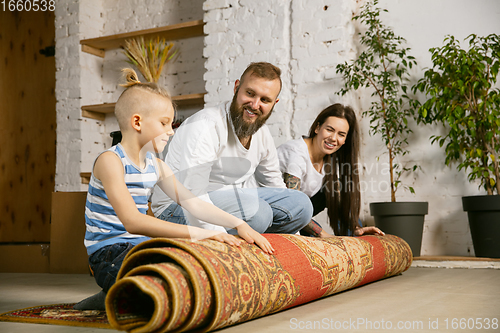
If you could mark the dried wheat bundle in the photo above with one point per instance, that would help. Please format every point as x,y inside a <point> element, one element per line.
<point>149,56</point>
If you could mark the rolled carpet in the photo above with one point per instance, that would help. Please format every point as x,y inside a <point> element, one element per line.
<point>179,285</point>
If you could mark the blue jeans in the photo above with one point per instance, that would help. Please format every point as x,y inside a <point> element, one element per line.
<point>265,209</point>
<point>106,262</point>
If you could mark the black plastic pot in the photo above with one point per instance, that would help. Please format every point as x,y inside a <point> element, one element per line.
<point>402,219</point>
<point>484,221</point>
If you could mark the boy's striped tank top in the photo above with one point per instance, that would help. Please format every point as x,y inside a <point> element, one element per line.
<point>102,224</point>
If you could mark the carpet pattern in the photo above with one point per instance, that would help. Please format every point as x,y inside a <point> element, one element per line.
<point>178,285</point>
<point>58,314</point>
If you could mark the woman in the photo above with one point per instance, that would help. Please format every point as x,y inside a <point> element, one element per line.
<point>324,166</point>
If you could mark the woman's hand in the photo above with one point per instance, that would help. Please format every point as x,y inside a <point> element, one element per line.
<point>368,231</point>
<point>251,236</point>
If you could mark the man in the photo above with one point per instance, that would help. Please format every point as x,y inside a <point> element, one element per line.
<point>226,155</point>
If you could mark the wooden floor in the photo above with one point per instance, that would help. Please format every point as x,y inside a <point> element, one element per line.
<point>451,258</point>
<point>421,299</point>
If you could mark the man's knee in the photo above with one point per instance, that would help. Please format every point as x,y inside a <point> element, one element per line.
<point>304,207</point>
<point>262,217</point>
<point>174,214</point>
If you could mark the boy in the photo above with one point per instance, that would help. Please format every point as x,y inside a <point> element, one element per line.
<point>121,183</point>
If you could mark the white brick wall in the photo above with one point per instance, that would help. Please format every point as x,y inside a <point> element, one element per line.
<point>307,39</point>
<point>71,21</point>
<point>240,32</point>
<point>83,79</point>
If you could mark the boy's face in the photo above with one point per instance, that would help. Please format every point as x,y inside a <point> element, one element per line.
<point>157,124</point>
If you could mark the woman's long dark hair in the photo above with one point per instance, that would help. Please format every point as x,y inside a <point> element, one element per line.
<point>341,181</point>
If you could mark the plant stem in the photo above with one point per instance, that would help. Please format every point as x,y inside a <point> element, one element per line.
<point>497,173</point>
<point>393,190</point>
<point>387,132</point>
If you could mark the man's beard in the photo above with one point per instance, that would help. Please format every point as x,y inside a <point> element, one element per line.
<point>242,128</point>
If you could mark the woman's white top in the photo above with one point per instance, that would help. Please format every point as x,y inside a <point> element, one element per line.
<point>294,160</point>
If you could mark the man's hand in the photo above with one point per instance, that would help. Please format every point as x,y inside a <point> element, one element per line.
<point>251,236</point>
<point>368,231</point>
<point>324,234</point>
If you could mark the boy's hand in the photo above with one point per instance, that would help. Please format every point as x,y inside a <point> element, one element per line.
<point>226,238</point>
<point>196,234</point>
<point>251,236</point>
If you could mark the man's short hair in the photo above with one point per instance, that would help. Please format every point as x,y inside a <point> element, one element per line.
<point>263,70</point>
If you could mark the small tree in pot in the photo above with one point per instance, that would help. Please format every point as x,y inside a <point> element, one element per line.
<point>462,96</point>
<point>383,67</point>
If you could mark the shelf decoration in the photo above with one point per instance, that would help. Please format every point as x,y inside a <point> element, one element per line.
<point>163,51</point>
<point>149,56</point>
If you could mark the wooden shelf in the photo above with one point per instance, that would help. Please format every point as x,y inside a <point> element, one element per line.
<point>191,99</point>
<point>99,111</point>
<point>98,46</point>
<point>85,176</point>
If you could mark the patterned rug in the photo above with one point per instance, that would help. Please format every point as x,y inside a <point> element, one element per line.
<point>58,314</point>
<point>177,285</point>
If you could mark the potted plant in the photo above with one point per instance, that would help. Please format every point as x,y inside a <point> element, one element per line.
<point>462,96</point>
<point>383,67</point>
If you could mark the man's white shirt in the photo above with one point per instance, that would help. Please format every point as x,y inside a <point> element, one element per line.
<point>206,155</point>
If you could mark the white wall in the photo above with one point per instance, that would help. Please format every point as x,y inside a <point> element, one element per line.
<point>83,79</point>
<point>424,24</point>
<point>307,39</point>
<point>240,32</point>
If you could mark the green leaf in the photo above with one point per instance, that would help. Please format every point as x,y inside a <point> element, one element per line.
<point>474,86</point>
<point>424,112</point>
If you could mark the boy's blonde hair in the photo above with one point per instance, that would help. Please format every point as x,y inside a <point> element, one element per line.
<point>131,100</point>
